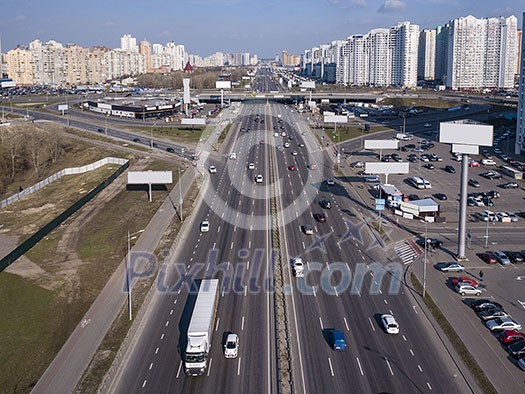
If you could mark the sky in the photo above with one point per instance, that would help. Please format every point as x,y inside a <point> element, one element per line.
<point>262,27</point>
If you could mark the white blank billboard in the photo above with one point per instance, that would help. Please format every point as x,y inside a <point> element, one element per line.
<point>381,144</point>
<point>308,84</point>
<point>149,177</point>
<point>386,168</point>
<point>465,132</point>
<point>223,84</point>
<point>193,121</point>
<point>335,119</point>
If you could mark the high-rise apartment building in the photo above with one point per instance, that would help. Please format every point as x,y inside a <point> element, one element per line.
<point>441,59</point>
<point>426,59</point>
<point>520,126</point>
<point>290,60</point>
<point>128,43</point>
<point>482,53</point>
<point>146,51</point>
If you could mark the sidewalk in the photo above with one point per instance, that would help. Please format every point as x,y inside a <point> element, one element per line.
<point>67,368</point>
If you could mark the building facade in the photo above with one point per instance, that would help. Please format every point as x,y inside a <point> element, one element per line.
<point>520,126</point>
<point>426,61</point>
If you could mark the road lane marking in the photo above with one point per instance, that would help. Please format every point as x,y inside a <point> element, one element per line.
<point>223,289</point>
<point>219,229</point>
<point>347,266</point>
<point>231,246</point>
<point>171,312</point>
<point>385,301</point>
<point>162,337</point>
<point>389,367</point>
<point>336,293</point>
<point>411,352</point>
<point>239,367</point>
<point>167,323</point>
<point>214,245</point>
<point>209,368</point>
<point>359,364</point>
<point>429,386</point>
<point>371,324</point>
<point>217,324</point>
<point>331,369</point>
<point>419,367</point>
<point>346,324</point>
<point>174,302</point>
<point>242,323</point>
<point>404,338</point>
<point>144,384</point>
<point>321,322</point>
<point>156,350</point>
<point>150,366</point>
<point>414,307</point>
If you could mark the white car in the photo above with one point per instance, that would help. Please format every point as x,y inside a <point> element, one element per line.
<point>330,182</point>
<point>286,144</point>
<point>503,323</point>
<point>298,267</point>
<point>212,169</point>
<point>294,153</point>
<point>467,289</point>
<point>231,347</point>
<point>513,217</point>
<point>259,178</point>
<point>251,166</point>
<point>389,324</point>
<point>205,226</point>
<point>428,125</point>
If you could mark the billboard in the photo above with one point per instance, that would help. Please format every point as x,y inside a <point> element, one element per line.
<point>193,121</point>
<point>335,119</point>
<point>223,85</point>
<point>149,177</point>
<point>186,84</point>
<point>308,84</point>
<point>386,168</point>
<point>466,132</point>
<point>63,107</point>
<point>381,144</point>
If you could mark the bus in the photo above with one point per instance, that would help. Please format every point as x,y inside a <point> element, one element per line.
<point>509,171</point>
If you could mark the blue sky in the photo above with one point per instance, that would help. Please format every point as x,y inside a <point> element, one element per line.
<point>264,27</point>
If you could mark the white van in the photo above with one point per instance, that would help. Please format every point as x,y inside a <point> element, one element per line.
<point>488,162</point>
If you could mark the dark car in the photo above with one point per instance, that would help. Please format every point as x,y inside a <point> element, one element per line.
<point>488,257</point>
<point>430,166</point>
<point>320,217</point>
<point>413,197</point>
<point>440,196</point>
<point>514,257</point>
<point>450,169</point>
<point>483,304</point>
<point>136,140</point>
<point>101,130</point>
<point>326,204</point>
<point>487,201</point>
<point>492,194</point>
<point>170,150</point>
<point>337,340</point>
<point>517,349</point>
<point>509,185</point>
<point>434,243</point>
<point>473,183</point>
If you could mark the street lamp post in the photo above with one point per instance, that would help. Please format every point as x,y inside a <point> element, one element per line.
<point>425,262</point>
<point>151,142</point>
<point>131,236</point>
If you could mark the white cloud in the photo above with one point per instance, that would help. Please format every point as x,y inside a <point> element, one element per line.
<point>392,6</point>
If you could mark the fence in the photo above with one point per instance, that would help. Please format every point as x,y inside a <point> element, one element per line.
<point>66,171</point>
<point>46,229</point>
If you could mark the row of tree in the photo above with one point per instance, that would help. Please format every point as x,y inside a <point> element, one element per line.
<point>199,79</point>
<point>27,152</point>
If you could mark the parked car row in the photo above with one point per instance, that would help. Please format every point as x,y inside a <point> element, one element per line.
<point>506,329</point>
<point>489,216</point>
<point>504,258</point>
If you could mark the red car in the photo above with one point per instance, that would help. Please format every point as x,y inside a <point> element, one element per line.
<point>488,257</point>
<point>510,336</point>
<point>464,279</point>
<point>291,168</point>
<point>473,163</point>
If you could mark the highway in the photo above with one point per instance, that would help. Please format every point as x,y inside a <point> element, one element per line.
<point>239,246</point>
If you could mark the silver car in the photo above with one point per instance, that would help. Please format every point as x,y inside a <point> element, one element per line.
<point>503,323</point>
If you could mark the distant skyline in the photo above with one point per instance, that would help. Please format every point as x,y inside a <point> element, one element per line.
<point>262,27</point>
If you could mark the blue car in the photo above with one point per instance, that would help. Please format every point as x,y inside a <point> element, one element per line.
<point>337,339</point>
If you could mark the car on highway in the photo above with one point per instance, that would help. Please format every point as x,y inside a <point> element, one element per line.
<point>329,182</point>
<point>320,217</point>
<point>259,178</point>
<point>212,169</point>
<point>231,346</point>
<point>294,153</point>
<point>205,226</point>
<point>450,267</point>
<point>170,149</point>
<point>473,183</point>
<point>503,323</point>
<point>501,257</point>
<point>427,125</point>
<point>517,349</point>
<point>308,229</point>
<point>286,144</point>
<point>509,336</point>
<point>101,130</point>
<point>312,166</point>
<point>389,324</point>
<point>251,166</point>
<point>136,140</point>
<point>337,340</point>
<point>509,185</point>
<point>291,168</point>
<point>297,267</point>
<point>488,257</point>
<point>441,196</point>
<point>482,304</point>
<point>372,179</point>
<point>492,313</point>
<point>466,289</point>
<point>301,145</point>
<point>326,204</point>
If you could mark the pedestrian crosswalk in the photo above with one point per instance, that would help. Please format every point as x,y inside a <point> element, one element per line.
<point>407,250</point>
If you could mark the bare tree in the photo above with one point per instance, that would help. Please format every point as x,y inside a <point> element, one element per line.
<point>13,141</point>
<point>56,147</point>
<point>36,152</point>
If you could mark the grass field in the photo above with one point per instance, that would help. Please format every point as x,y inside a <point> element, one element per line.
<point>344,133</point>
<point>183,134</point>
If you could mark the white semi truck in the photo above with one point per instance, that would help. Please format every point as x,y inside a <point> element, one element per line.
<point>201,328</point>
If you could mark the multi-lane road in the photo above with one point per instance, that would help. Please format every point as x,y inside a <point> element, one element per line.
<point>239,247</point>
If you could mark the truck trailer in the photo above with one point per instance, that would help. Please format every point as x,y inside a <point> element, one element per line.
<point>200,329</point>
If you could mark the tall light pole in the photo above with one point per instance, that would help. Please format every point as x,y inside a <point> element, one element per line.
<point>131,236</point>
<point>180,197</point>
<point>425,262</point>
<point>107,116</point>
<point>151,142</point>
